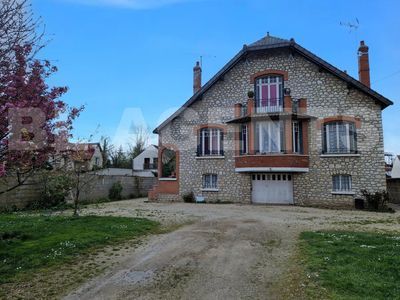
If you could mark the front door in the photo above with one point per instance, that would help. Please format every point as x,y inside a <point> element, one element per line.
<point>270,188</point>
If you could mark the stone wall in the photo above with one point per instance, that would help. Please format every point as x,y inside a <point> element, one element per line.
<point>326,96</point>
<point>393,187</point>
<point>133,187</point>
<point>21,196</point>
<point>98,188</point>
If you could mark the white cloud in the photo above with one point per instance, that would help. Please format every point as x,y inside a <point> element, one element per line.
<point>133,4</point>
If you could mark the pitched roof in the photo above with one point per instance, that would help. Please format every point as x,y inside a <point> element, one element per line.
<point>270,42</point>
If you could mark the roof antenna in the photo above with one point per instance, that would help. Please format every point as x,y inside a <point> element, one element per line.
<point>352,26</point>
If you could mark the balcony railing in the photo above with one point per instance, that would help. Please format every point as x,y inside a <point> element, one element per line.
<point>149,166</point>
<point>206,152</point>
<point>270,105</point>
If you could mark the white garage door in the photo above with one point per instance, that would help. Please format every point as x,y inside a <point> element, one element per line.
<point>272,188</point>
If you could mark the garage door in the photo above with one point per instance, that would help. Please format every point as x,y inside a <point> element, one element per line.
<point>272,188</point>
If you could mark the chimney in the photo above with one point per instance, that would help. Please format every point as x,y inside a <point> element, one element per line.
<point>196,78</point>
<point>363,64</point>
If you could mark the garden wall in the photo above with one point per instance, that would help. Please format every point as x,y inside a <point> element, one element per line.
<point>133,187</point>
<point>98,188</point>
<point>393,188</point>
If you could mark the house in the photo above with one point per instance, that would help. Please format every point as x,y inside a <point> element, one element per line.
<point>396,167</point>
<point>389,158</point>
<point>84,156</point>
<point>277,124</point>
<point>147,160</point>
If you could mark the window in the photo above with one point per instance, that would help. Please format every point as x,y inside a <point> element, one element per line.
<point>210,181</point>
<point>297,137</point>
<point>97,161</point>
<point>146,164</point>
<point>269,136</point>
<point>243,140</point>
<point>269,91</point>
<point>168,159</point>
<point>340,137</point>
<point>341,183</point>
<point>211,142</point>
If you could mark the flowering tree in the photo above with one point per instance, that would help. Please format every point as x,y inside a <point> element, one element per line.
<point>18,26</point>
<point>32,129</point>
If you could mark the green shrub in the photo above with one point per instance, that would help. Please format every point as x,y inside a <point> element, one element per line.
<point>54,193</point>
<point>115,192</point>
<point>189,198</point>
<point>377,201</point>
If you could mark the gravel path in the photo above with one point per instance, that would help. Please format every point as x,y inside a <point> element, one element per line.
<point>226,252</point>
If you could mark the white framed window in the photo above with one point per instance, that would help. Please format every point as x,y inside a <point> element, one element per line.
<point>340,137</point>
<point>269,91</point>
<point>296,134</point>
<point>269,136</point>
<point>341,183</point>
<point>210,181</point>
<point>210,142</point>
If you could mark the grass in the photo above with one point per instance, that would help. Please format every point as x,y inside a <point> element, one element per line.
<point>29,243</point>
<point>351,265</point>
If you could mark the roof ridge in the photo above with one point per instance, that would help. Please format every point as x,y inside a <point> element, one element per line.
<point>268,40</point>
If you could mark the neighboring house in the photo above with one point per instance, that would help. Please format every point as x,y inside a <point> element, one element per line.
<point>115,172</point>
<point>84,156</point>
<point>125,172</point>
<point>389,158</point>
<point>396,167</point>
<point>147,160</point>
<point>277,124</point>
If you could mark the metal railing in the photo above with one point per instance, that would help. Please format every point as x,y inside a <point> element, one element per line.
<point>269,105</point>
<point>149,166</point>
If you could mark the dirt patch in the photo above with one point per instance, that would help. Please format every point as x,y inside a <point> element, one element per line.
<point>223,251</point>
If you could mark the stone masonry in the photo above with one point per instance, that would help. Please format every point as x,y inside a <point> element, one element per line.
<point>327,96</point>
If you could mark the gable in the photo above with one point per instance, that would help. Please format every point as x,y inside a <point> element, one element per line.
<point>266,45</point>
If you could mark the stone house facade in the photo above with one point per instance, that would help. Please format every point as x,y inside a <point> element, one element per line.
<point>277,124</point>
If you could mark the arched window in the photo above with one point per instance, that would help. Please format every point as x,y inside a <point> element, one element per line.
<point>339,137</point>
<point>211,142</point>
<point>269,94</point>
<point>168,158</point>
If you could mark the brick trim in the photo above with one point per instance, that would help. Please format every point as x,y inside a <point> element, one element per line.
<point>173,147</point>
<point>355,120</point>
<point>269,72</point>
<point>197,128</point>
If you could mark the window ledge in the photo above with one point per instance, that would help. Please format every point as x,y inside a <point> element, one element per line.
<point>210,190</point>
<point>166,179</point>
<point>341,155</point>
<point>343,193</point>
<point>211,157</point>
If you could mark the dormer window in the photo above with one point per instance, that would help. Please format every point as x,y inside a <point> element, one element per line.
<point>269,94</point>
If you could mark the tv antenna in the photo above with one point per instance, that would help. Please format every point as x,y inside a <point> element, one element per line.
<point>351,25</point>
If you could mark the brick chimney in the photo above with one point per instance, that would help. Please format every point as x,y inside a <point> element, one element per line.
<point>196,78</point>
<point>363,64</point>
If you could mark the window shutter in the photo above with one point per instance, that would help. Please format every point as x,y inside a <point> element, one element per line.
<point>282,136</point>
<point>324,141</point>
<point>353,138</point>
<point>300,137</point>
<point>221,150</point>
<point>199,143</point>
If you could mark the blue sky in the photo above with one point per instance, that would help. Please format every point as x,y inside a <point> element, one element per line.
<point>130,61</point>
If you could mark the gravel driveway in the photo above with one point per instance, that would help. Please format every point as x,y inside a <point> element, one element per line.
<point>222,252</point>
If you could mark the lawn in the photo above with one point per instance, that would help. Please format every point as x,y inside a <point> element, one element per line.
<point>350,265</point>
<point>31,242</point>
